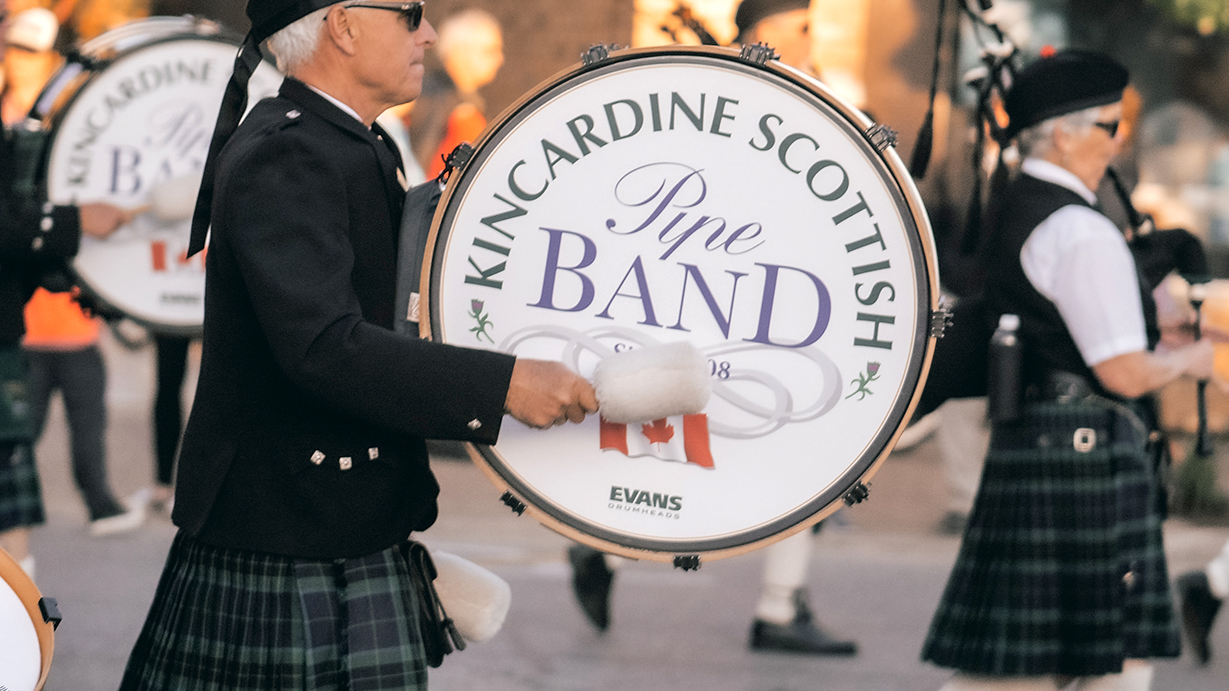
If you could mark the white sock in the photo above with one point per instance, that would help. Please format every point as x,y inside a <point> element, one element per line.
<point>785,567</point>
<point>1218,574</point>
<point>27,565</point>
<point>1133,678</point>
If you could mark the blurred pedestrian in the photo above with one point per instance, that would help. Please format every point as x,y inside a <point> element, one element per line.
<point>1061,574</point>
<point>33,238</point>
<point>303,468</point>
<point>1201,594</point>
<point>450,110</point>
<point>29,61</point>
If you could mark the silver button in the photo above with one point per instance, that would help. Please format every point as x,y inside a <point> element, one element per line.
<point>1129,579</point>
<point>292,114</point>
<point>473,424</point>
<point>317,457</point>
<point>345,462</point>
<point>46,224</point>
<point>48,207</point>
<point>37,244</point>
<point>373,453</point>
<point>1084,440</point>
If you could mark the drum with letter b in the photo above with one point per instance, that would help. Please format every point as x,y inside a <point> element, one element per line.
<point>704,195</point>
<point>129,122</point>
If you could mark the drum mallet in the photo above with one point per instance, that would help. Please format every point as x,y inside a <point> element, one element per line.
<point>652,382</point>
<point>170,200</point>
<point>1203,441</point>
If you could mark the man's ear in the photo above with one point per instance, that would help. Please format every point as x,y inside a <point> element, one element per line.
<point>340,29</point>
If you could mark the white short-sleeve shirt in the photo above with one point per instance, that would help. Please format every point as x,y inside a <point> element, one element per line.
<point>1078,259</point>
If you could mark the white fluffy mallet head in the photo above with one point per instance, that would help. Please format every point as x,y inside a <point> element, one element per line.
<point>175,199</point>
<point>476,599</point>
<point>653,382</point>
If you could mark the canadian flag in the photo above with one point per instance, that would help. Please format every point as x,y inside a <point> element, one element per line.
<point>661,439</point>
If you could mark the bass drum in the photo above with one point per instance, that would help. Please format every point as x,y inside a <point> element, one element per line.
<point>693,194</point>
<point>129,122</point>
<point>27,636</point>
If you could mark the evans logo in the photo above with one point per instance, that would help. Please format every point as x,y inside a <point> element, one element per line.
<point>642,501</point>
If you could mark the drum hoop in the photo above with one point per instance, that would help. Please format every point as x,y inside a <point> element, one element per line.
<point>25,589</point>
<point>923,254</point>
<point>72,90</point>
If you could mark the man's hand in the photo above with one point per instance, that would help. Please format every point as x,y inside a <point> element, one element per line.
<point>99,219</point>
<point>544,393</point>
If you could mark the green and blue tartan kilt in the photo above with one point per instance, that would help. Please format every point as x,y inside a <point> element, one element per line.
<point>21,498</point>
<point>232,620</point>
<point>1062,567</point>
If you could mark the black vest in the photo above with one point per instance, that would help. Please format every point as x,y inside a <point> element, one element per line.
<point>1048,346</point>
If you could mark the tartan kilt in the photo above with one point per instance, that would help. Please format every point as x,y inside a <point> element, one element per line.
<point>233,620</point>
<point>21,498</point>
<point>1062,567</point>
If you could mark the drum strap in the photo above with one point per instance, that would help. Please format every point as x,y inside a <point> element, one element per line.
<point>420,204</point>
<point>234,102</point>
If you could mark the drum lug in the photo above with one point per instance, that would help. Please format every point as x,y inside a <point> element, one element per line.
<point>757,54</point>
<point>857,494</point>
<point>881,137</point>
<point>940,319</point>
<point>597,53</point>
<point>687,562</point>
<point>51,611</point>
<point>517,506</point>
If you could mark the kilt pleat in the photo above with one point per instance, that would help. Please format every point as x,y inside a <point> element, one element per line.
<point>237,621</point>
<point>1061,569</point>
<point>21,498</point>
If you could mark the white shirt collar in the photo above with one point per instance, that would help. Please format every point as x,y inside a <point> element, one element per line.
<point>1049,172</point>
<point>345,108</point>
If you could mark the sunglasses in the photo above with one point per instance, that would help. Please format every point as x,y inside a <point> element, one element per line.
<point>411,12</point>
<point>1111,128</point>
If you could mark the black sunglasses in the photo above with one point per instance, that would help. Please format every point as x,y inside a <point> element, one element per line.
<point>1111,128</point>
<point>411,12</point>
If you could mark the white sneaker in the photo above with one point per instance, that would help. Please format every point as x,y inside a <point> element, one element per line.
<point>119,523</point>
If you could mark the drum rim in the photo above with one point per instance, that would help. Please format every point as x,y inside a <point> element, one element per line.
<point>28,593</point>
<point>98,52</point>
<point>908,203</point>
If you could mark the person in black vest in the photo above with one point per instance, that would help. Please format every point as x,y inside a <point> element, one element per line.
<point>303,468</point>
<point>1061,575</point>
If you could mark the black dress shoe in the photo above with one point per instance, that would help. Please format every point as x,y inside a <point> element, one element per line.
<point>591,580</point>
<point>798,637</point>
<point>1199,607</point>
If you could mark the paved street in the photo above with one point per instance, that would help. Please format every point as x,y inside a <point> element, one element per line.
<point>875,579</point>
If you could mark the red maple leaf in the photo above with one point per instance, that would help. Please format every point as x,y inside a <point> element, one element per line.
<point>659,432</point>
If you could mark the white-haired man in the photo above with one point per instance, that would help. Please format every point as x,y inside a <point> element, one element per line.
<point>303,467</point>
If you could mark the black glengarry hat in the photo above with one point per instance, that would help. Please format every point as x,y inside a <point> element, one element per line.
<point>268,17</point>
<point>1066,82</point>
<point>751,12</point>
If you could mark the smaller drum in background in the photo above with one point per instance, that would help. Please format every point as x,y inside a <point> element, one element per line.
<point>129,121</point>
<point>27,635</point>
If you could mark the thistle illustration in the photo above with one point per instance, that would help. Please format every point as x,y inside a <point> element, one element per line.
<point>871,374</point>
<point>475,311</point>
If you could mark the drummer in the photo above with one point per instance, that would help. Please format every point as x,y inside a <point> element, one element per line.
<point>1061,574</point>
<point>33,238</point>
<point>303,468</point>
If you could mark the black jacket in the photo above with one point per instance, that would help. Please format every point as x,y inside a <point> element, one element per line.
<point>306,435</point>
<point>34,238</point>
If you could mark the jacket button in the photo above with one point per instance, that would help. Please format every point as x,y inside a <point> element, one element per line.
<point>474,424</point>
<point>373,453</point>
<point>317,457</point>
<point>345,462</point>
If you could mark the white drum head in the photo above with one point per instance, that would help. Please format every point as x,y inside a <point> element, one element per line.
<point>19,649</point>
<point>686,194</point>
<point>135,134</point>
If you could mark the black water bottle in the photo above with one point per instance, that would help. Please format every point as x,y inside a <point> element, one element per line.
<point>1003,377</point>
